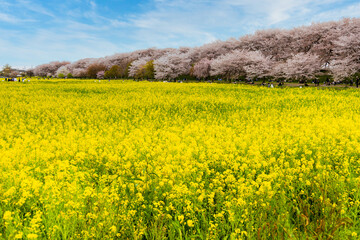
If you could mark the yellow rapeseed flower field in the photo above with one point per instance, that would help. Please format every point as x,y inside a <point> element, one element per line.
<point>141,160</point>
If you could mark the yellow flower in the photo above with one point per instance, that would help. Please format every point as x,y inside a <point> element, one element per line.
<point>32,236</point>
<point>190,223</point>
<point>113,229</point>
<point>7,216</point>
<point>19,235</point>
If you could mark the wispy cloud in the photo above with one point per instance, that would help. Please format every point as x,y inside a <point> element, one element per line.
<point>352,10</point>
<point>34,7</point>
<point>8,18</point>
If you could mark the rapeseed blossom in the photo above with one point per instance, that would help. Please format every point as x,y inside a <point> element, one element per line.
<point>128,160</point>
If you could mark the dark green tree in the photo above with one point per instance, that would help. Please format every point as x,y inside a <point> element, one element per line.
<point>6,70</point>
<point>93,69</point>
<point>148,70</point>
<point>113,72</point>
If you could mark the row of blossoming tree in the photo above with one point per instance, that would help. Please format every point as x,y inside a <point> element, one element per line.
<point>301,53</point>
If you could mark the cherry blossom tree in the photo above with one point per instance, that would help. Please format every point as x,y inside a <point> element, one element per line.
<point>79,68</point>
<point>347,52</point>
<point>202,68</point>
<point>230,65</point>
<point>63,70</point>
<point>302,66</point>
<point>213,50</point>
<point>79,72</point>
<point>49,69</point>
<point>100,75</point>
<point>172,65</point>
<point>256,64</point>
<point>241,63</point>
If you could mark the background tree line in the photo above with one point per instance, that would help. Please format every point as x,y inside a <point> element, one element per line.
<point>330,49</point>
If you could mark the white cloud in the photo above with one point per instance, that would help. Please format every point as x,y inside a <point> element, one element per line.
<point>8,18</point>
<point>352,10</point>
<point>34,7</point>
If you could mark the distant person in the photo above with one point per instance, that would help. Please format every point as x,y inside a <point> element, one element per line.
<point>327,81</point>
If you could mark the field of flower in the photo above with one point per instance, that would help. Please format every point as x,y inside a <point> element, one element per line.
<point>140,160</point>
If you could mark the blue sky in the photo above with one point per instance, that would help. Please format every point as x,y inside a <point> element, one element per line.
<point>35,32</point>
